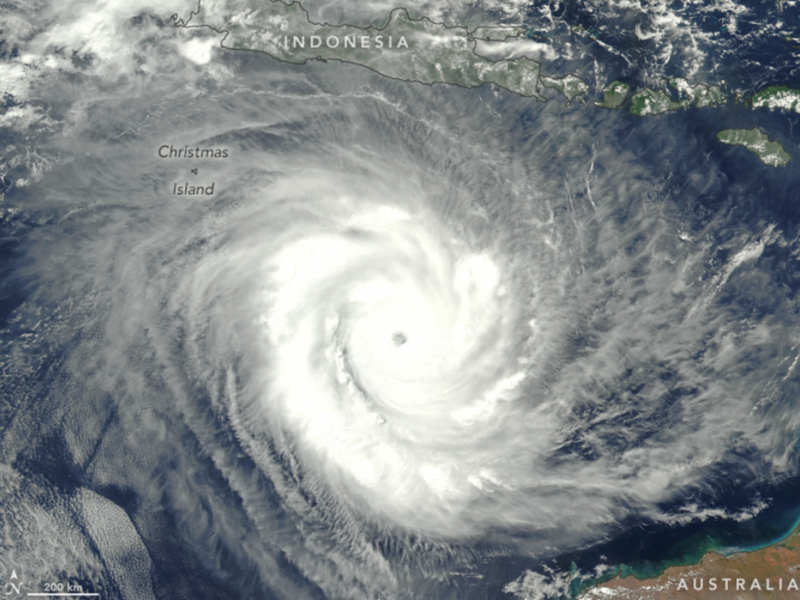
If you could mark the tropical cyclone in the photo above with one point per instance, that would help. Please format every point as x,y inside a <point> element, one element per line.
<point>390,356</point>
<point>404,48</point>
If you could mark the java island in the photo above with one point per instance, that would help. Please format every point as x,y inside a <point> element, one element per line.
<point>404,48</point>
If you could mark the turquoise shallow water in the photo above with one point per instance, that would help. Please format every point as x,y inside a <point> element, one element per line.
<point>688,546</point>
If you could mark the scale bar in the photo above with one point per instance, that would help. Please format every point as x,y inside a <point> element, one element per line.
<point>84,594</point>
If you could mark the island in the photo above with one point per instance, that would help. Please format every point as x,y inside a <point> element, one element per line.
<point>702,95</point>
<point>614,95</point>
<point>655,102</point>
<point>777,97</point>
<point>768,152</point>
<point>570,86</point>
<point>658,101</point>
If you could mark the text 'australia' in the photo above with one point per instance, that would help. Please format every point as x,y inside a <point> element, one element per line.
<point>346,41</point>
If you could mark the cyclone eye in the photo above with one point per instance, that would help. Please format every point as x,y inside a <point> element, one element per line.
<point>399,338</point>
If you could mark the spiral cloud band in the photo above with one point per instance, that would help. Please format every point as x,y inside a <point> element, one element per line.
<point>423,370</point>
<point>389,350</point>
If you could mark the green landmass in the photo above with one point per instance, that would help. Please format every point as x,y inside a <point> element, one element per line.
<point>777,96</point>
<point>702,95</point>
<point>757,142</point>
<point>614,95</point>
<point>570,86</point>
<point>655,102</point>
<point>682,86</point>
<point>403,48</point>
<point>651,101</point>
<point>708,96</point>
